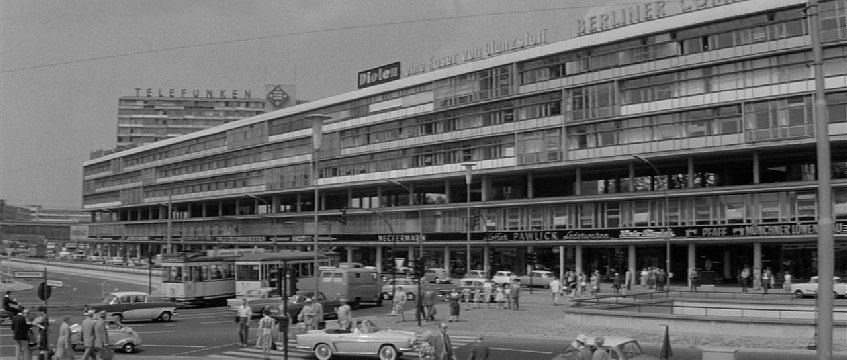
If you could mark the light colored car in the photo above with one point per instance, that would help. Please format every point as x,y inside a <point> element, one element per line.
<point>121,338</point>
<point>115,260</point>
<point>540,278</point>
<point>135,305</point>
<point>406,285</point>
<point>618,348</point>
<point>503,277</point>
<point>365,339</point>
<point>481,274</point>
<point>437,275</point>
<point>810,288</point>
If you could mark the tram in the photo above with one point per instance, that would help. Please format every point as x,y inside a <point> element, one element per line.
<point>258,270</point>
<point>197,279</point>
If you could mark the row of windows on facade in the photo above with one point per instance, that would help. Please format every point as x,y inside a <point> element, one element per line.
<point>130,115</point>
<point>757,28</point>
<point>135,105</point>
<point>489,79</point>
<point>760,208</point>
<point>768,120</point>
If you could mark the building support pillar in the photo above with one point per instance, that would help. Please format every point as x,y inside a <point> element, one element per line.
<point>530,189</point>
<point>756,176</point>
<point>529,266</point>
<point>486,265</point>
<point>692,261</point>
<point>447,259</point>
<point>631,263</point>
<point>485,188</point>
<point>578,258</point>
<point>757,265</point>
<point>631,185</point>
<point>690,172</point>
<point>577,184</point>
<point>349,253</point>
<point>562,264</point>
<point>727,266</point>
<point>411,256</point>
<point>379,259</point>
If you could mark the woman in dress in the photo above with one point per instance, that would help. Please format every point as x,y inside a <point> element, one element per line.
<point>265,339</point>
<point>63,343</point>
<point>499,297</point>
<point>455,298</point>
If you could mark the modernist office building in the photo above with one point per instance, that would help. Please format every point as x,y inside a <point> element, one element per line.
<point>151,114</point>
<point>584,150</point>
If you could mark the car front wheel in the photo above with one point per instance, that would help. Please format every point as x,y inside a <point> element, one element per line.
<point>410,296</point>
<point>388,352</point>
<point>165,316</point>
<point>128,348</point>
<point>323,352</point>
<point>798,294</point>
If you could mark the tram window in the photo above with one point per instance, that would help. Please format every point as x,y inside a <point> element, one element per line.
<point>327,277</point>
<point>206,275</point>
<point>197,273</point>
<point>173,274</point>
<point>247,272</point>
<point>337,277</point>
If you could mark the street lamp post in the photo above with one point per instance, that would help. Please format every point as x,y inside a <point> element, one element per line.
<point>414,201</point>
<point>468,175</point>
<point>273,219</point>
<point>666,223</point>
<point>317,130</point>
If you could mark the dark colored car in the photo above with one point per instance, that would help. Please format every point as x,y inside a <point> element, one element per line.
<point>296,302</point>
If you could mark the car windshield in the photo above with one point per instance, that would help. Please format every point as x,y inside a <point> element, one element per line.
<point>630,350</point>
<point>111,300</point>
<point>254,293</point>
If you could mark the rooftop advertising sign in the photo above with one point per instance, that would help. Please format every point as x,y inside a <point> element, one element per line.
<point>638,13</point>
<point>379,75</point>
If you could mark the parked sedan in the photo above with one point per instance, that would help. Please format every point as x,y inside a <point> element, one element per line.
<point>365,339</point>
<point>135,305</point>
<point>121,338</point>
<point>810,288</point>
<point>540,278</point>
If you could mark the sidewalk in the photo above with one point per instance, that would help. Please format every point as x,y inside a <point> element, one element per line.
<point>538,318</point>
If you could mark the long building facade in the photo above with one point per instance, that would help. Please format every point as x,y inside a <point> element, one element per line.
<point>650,132</point>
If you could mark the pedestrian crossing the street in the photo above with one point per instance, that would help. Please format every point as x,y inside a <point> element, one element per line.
<point>254,352</point>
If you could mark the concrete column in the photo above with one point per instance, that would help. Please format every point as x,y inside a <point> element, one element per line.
<point>275,202</point>
<point>203,212</point>
<point>138,251</point>
<point>756,176</point>
<point>529,266</point>
<point>757,265</point>
<point>578,258</point>
<point>577,184</point>
<point>530,189</point>
<point>447,192</point>
<point>692,261</point>
<point>349,253</point>
<point>631,262</point>
<point>485,188</point>
<point>486,265</point>
<point>562,262</point>
<point>411,253</point>
<point>727,266</point>
<point>220,208</point>
<point>447,259</point>
<point>379,258</point>
<point>690,172</point>
<point>631,187</point>
<point>299,203</point>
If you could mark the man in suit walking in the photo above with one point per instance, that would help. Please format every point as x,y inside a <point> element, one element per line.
<point>515,295</point>
<point>478,350</point>
<point>87,333</point>
<point>101,336</point>
<point>20,332</point>
<point>429,301</point>
<point>442,345</point>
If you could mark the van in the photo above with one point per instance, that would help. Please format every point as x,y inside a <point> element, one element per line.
<point>357,285</point>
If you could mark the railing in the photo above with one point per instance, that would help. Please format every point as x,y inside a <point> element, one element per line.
<point>699,304</point>
<point>85,265</point>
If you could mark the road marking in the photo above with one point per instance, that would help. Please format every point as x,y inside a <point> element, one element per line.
<point>154,332</point>
<point>216,322</point>
<point>525,351</point>
<point>175,346</point>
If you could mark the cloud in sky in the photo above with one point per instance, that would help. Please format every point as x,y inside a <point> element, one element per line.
<point>51,117</point>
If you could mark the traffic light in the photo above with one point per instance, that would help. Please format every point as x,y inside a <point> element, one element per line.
<point>491,258</point>
<point>419,267</point>
<point>530,258</point>
<point>343,218</point>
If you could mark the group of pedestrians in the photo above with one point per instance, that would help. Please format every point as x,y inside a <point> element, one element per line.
<point>440,347</point>
<point>29,330</point>
<point>584,348</point>
<point>765,279</point>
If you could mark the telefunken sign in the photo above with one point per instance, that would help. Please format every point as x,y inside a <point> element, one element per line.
<point>490,49</point>
<point>639,13</point>
<point>184,93</point>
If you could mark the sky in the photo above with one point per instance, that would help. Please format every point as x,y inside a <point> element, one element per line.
<point>65,63</point>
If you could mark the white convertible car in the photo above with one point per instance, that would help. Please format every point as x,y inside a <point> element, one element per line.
<point>365,339</point>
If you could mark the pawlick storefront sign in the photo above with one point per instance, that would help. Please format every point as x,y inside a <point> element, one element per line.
<point>638,13</point>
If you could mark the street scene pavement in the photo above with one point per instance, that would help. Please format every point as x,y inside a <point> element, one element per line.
<point>537,320</point>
